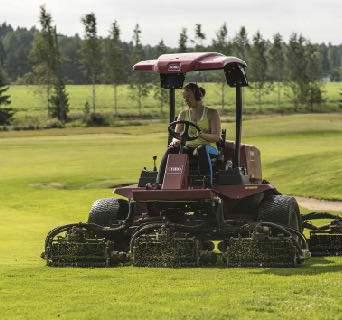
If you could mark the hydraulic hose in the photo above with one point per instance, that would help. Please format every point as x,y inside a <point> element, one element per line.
<point>287,230</point>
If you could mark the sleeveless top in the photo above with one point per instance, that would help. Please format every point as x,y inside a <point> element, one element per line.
<point>204,125</point>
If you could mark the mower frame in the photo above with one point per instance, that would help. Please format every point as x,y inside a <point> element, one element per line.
<point>177,223</point>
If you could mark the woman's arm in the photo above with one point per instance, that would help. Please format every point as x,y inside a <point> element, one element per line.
<point>215,126</point>
<point>179,127</point>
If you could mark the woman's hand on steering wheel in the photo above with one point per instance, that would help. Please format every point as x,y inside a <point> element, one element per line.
<point>184,135</point>
<point>174,143</point>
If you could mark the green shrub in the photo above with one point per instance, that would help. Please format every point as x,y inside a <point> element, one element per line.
<point>29,122</point>
<point>6,116</point>
<point>54,123</point>
<point>96,119</point>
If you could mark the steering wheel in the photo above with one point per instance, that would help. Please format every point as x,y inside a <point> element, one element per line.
<point>184,135</point>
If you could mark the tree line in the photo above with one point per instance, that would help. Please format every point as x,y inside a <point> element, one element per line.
<point>44,56</point>
<point>16,45</point>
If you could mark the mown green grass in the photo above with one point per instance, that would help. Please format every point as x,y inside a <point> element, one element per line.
<point>33,98</point>
<point>51,177</point>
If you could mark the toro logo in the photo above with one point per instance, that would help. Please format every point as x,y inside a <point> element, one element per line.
<point>175,170</point>
<point>174,67</point>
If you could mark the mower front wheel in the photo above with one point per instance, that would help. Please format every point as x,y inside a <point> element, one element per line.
<point>106,212</point>
<point>282,210</point>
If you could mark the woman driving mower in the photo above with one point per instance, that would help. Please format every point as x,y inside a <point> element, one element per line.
<point>208,122</point>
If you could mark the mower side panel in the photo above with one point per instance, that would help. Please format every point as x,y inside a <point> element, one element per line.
<point>173,195</point>
<point>176,172</point>
<point>236,192</point>
<point>127,191</point>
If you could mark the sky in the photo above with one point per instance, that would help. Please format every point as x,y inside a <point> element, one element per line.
<point>317,20</point>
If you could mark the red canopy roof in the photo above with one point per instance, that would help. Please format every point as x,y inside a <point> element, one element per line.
<point>186,62</point>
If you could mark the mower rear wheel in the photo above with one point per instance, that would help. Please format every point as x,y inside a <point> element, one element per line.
<point>282,210</point>
<point>106,212</point>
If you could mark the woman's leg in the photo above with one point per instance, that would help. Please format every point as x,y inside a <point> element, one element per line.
<point>204,151</point>
<point>169,150</point>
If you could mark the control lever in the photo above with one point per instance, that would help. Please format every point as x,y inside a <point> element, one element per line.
<point>224,134</point>
<point>154,163</point>
<point>221,145</point>
<point>229,166</point>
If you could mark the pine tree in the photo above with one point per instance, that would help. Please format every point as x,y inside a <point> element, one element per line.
<point>4,98</point>
<point>140,82</point>
<point>160,94</point>
<point>324,51</point>
<point>59,99</point>
<point>115,68</point>
<point>6,114</point>
<point>303,72</point>
<point>296,69</point>
<point>199,37</point>
<point>277,63</point>
<point>2,54</point>
<point>17,46</point>
<point>221,44</point>
<point>91,53</point>
<point>314,74</point>
<point>241,44</point>
<point>43,55</point>
<point>183,40</point>
<point>334,58</point>
<point>258,67</point>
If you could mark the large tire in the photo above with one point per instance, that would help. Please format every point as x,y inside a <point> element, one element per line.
<point>108,211</point>
<point>249,205</point>
<point>282,210</point>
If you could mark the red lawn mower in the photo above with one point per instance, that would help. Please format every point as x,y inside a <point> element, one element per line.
<point>238,220</point>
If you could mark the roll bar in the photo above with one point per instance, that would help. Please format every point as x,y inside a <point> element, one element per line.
<point>173,68</point>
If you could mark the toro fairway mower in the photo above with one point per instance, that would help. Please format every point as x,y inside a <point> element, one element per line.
<point>232,218</point>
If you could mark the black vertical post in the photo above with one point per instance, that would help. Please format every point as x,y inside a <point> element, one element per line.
<point>238,125</point>
<point>172,109</point>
